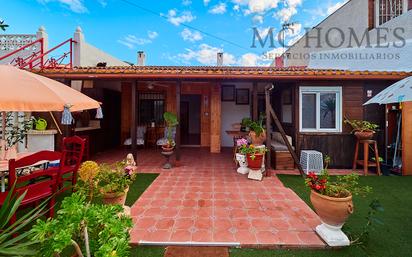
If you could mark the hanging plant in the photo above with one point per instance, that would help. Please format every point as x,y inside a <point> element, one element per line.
<point>16,131</point>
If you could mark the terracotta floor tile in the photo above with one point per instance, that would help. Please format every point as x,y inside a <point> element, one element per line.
<point>184,223</point>
<point>261,224</point>
<point>187,212</point>
<point>267,237</point>
<point>157,236</point>
<point>203,223</point>
<point>245,237</point>
<point>241,224</point>
<point>222,224</point>
<point>203,199</point>
<point>202,235</point>
<point>223,236</point>
<point>181,235</point>
<point>145,223</point>
<point>165,223</point>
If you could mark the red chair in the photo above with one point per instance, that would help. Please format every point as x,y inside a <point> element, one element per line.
<point>40,184</point>
<point>72,155</point>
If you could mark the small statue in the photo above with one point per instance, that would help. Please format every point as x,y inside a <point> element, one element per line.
<point>130,160</point>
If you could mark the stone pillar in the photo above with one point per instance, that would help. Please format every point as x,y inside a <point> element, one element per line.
<point>41,33</point>
<point>77,47</point>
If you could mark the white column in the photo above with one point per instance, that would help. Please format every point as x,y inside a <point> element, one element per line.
<point>77,47</point>
<point>41,33</point>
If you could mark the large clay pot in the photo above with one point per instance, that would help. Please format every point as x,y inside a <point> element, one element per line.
<point>331,210</point>
<point>257,140</point>
<point>255,163</point>
<point>364,135</point>
<point>115,198</point>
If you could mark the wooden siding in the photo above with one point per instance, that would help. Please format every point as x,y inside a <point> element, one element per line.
<point>340,147</point>
<point>352,101</point>
<point>125,111</point>
<point>406,138</point>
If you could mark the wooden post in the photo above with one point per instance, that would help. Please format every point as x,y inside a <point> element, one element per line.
<point>133,128</point>
<point>280,127</point>
<point>255,114</point>
<point>178,92</point>
<point>215,118</point>
<point>268,129</point>
<point>406,138</point>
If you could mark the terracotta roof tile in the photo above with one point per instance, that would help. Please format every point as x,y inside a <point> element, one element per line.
<point>216,72</point>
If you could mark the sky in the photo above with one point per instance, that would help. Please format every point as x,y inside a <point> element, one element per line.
<point>171,32</point>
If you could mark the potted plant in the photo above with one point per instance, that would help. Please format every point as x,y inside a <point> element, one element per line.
<point>14,132</point>
<point>171,123</point>
<point>362,129</point>
<point>257,132</point>
<point>332,201</point>
<point>241,157</point>
<point>111,182</point>
<point>87,228</point>
<point>114,182</point>
<point>254,155</point>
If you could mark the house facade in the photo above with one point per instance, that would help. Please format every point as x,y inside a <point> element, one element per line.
<point>311,104</point>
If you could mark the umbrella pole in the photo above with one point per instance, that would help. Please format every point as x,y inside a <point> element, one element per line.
<point>55,123</point>
<point>3,125</point>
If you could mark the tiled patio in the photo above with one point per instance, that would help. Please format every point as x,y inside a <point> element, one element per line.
<point>205,202</point>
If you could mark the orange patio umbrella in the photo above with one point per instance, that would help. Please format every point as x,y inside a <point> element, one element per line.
<point>24,91</point>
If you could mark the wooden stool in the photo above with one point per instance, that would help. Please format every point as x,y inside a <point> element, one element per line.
<point>365,162</point>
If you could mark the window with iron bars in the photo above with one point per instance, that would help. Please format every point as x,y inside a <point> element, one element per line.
<point>151,107</point>
<point>389,9</point>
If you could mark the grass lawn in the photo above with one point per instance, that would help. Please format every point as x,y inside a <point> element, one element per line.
<point>393,238</point>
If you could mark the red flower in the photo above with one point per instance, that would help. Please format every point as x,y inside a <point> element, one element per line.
<point>318,187</point>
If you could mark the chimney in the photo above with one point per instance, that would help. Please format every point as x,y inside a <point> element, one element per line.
<point>219,59</point>
<point>141,58</point>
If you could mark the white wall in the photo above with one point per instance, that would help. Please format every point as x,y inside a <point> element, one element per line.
<point>85,54</point>
<point>232,113</point>
<point>353,14</point>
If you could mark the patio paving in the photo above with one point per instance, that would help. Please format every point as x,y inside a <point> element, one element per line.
<point>205,202</point>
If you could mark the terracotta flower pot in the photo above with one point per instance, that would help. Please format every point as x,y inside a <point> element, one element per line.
<point>115,198</point>
<point>255,163</point>
<point>257,140</point>
<point>331,210</point>
<point>364,135</point>
<point>167,148</point>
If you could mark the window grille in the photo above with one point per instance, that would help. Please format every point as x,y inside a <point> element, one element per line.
<point>151,107</point>
<point>389,9</point>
